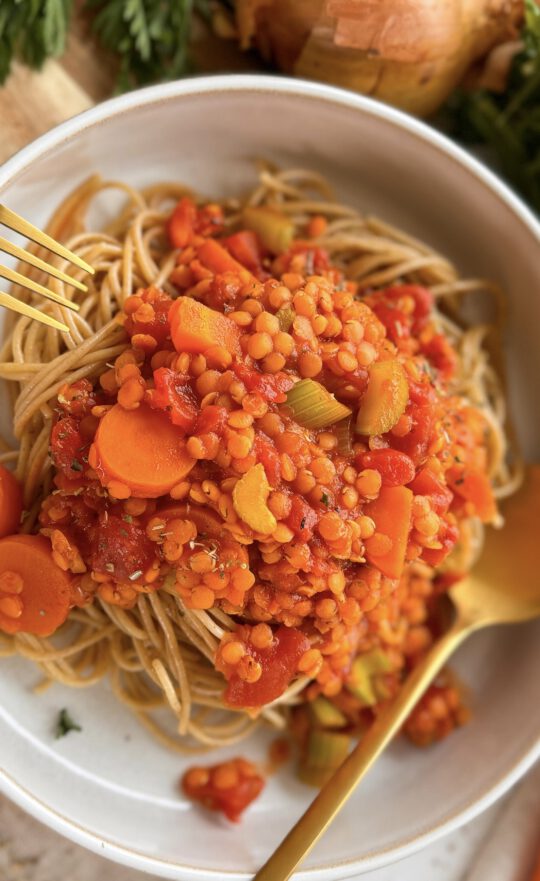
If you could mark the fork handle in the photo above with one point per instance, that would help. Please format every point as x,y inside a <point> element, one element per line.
<point>334,794</point>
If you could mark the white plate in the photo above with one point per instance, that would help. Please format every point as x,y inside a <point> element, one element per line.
<point>111,788</point>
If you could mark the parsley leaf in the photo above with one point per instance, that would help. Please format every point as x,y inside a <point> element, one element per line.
<point>150,36</point>
<point>32,30</point>
<point>65,724</point>
<point>325,499</point>
<point>509,123</point>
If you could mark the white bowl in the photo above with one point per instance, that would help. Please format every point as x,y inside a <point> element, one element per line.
<point>111,788</point>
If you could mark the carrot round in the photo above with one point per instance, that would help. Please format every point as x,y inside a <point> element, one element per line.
<point>11,502</point>
<point>391,512</point>
<point>35,594</point>
<point>140,450</point>
<point>217,259</point>
<point>195,327</point>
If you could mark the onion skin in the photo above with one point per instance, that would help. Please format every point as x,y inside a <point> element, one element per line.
<point>410,53</point>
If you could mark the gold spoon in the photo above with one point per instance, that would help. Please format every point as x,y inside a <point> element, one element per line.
<point>503,588</point>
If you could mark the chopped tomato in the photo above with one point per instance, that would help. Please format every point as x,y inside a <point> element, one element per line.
<point>77,399</point>
<point>448,536</point>
<point>68,447</point>
<point>181,225</point>
<point>120,549</point>
<point>266,454</point>
<point>228,787</point>
<point>211,419</point>
<point>302,519</point>
<point>395,468</point>
<point>272,386</point>
<point>440,352</point>
<point>394,320</point>
<point>279,664</point>
<point>246,248</point>
<point>174,394</point>
<point>426,484</point>
<point>423,302</point>
<point>416,443</point>
<point>158,327</point>
<point>422,392</point>
<point>224,289</point>
<point>187,221</point>
<point>474,486</point>
<point>399,323</point>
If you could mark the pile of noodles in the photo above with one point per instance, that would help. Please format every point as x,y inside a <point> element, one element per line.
<point>160,652</point>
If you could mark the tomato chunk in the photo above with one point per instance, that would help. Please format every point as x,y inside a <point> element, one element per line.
<point>279,663</point>
<point>120,549</point>
<point>174,394</point>
<point>228,787</point>
<point>68,447</point>
<point>426,484</point>
<point>302,518</point>
<point>416,443</point>
<point>448,536</point>
<point>266,454</point>
<point>272,387</point>
<point>246,248</point>
<point>212,418</point>
<point>474,486</point>
<point>156,323</point>
<point>395,468</point>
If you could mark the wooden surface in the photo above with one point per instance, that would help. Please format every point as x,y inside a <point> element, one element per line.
<point>33,102</point>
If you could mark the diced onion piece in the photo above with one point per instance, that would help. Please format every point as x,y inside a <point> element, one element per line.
<point>384,400</point>
<point>312,406</point>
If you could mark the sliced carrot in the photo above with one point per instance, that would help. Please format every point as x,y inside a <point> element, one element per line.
<point>11,502</point>
<point>246,248</point>
<point>391,512</point>
<point>35,594</point>
<point>217,259</point>
<point>474,486</point>
<point>195,327</point>
<point>141,450</point>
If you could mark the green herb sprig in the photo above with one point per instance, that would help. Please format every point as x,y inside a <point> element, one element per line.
<point>509,123</point>
<point>65,724</point>
<point>32,30</point>
<point>150,36</point>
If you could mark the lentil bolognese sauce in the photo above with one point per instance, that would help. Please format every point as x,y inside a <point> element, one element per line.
<point>264,449</point>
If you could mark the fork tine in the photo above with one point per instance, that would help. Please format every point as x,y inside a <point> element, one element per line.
<point>29,312</point>
<point>37,263</point>
<point>18,224</point>
<point>17,278</point>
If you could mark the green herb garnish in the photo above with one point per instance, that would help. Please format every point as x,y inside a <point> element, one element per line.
<point>325,499</point>
<point>65,724</point>
<point>509,123</point>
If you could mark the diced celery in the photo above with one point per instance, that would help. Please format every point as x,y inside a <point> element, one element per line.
<point>312,406</point>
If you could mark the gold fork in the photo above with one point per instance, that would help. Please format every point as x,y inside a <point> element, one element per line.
<point>18,224</point>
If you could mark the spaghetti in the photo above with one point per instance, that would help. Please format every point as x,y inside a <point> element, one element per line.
<point>161,651</point>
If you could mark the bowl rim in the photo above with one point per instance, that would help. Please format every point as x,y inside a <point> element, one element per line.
<point>265,84</point>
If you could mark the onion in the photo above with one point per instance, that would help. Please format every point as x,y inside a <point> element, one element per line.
<point>411,53</point>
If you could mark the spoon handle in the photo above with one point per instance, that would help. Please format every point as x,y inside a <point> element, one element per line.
<point>334,794</point>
